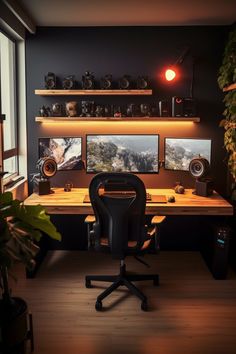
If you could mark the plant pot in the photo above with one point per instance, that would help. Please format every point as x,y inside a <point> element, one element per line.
<point>14,323</point>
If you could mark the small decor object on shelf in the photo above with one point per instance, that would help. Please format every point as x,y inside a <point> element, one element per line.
<point>142,82</point>
<point>108,110</point>
<point>87,109</point>
<point>72,109</point>
<point>50,81</point>
<point>57,110</point>
<point>106,82</point>
<point>88,81</point>
<point>99,111</point>
<point>133,110</point>
<point>68,82</point>
<point>124,82</point>
<point>44,111</point>
<point>145,110</point>
<point>117,112</point>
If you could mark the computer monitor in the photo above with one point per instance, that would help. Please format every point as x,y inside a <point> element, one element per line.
<point>179,152</point>
<point>122,153</point>
<point>65,150</point>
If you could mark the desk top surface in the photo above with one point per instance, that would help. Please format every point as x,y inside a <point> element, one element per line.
<point>61,202</point>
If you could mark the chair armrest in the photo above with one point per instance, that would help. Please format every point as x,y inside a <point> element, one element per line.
<point>89,219</point>
<point>157,219</point>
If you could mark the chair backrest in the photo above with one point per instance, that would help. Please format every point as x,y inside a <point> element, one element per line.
<point>119,217</point>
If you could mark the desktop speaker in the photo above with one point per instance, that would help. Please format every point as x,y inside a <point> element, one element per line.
<point>183,107</point>
<point>42,186</point>
<point>204,187</point>
<point>215,250</point>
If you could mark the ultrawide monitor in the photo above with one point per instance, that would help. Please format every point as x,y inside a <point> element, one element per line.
<point>122,153</point>
<point>65,150</point>
<point>179,152</point>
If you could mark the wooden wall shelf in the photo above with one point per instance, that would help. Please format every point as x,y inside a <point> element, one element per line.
<point>92,92</point>
<point>229,88</point>
<point>114,119</point>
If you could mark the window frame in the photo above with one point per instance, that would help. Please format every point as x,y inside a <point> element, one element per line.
<point>14,152</point>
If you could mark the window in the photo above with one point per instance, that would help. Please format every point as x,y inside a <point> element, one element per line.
<point>8,106</point>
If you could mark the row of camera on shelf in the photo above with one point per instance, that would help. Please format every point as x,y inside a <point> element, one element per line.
<point>51,82</point>
<point>179,107</point>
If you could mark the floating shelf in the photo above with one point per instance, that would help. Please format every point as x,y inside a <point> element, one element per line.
<point>229,88</point>
<point>92,92</point>
<point>114,119</point>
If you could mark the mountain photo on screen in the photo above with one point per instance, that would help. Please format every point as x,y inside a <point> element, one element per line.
<point>66,151</point>
<point>179,152</point>
<point>122,153</point>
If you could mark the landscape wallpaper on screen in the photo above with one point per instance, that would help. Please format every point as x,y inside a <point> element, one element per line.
<point>66,152</point>
<point>179,152</point>
<point>122,153</point>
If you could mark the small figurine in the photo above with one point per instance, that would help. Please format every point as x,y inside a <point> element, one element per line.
<point>72,109</point>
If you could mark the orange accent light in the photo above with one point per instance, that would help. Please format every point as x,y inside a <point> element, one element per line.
<point>170,74</point>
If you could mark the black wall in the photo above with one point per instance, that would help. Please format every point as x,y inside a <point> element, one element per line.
<point>134,51</point>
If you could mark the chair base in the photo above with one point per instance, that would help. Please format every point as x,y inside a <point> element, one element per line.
<point>121,279</point>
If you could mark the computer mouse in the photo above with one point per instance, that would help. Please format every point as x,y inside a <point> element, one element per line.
<point>171,199</point>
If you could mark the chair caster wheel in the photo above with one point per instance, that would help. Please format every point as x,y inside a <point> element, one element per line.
<point>98,305</point>
<point>88,284</point>
<point>144,306</point>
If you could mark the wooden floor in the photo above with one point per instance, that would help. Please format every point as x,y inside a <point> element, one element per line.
<point>189,313</point>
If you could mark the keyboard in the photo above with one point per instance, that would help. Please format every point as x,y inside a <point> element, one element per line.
<point>150,198</point>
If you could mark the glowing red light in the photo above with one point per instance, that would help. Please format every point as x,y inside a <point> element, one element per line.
<point>170,74</point>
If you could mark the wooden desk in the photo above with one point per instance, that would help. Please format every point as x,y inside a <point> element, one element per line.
<point>61,202</point>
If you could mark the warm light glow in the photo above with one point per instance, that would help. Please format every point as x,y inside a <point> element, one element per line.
<point>170,74</point>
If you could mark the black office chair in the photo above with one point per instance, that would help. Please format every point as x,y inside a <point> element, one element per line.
<point>118,226</point>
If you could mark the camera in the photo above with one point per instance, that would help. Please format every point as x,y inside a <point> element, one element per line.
<point>57,110</point>
<point>106,82</point>
<point>44,111</point>
<point>88,81</point>
<point>87,108</point>
<point>142,82</point>
<point>50,81</point>
<point>68,83</point>
<point>124,82</point>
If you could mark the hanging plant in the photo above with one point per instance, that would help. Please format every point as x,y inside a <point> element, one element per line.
<point>227,82</point>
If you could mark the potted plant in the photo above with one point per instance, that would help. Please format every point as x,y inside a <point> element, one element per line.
<point>227,82</point>
<point>20,227</point>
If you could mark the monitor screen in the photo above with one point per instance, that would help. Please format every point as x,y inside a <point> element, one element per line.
<point>122,153</point>
<point>66,151</point>
<point>179,152</point>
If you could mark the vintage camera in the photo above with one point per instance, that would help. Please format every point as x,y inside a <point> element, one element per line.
<point>68,83</point>
<point>57,110</point>
<point>87,109</point>
<point>50,81</point>
<point>106,82</point>
<point>142,82</point>
<point>44,111</point>
<point>124,82</point>
<point>88,81</point>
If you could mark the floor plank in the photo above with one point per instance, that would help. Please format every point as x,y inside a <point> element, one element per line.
<point>190,312</point>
